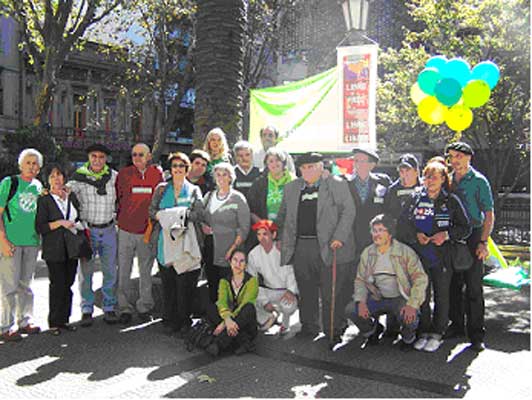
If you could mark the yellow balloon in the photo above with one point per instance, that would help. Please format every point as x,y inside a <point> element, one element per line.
<point>431,111</point>
<point>459,118</point>
<point>416,94</point>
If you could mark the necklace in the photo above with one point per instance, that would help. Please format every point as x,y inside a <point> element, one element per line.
<point>222,197</point>
<point>236,284</point>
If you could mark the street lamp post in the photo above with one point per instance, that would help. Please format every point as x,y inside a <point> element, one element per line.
<point>356,18</point>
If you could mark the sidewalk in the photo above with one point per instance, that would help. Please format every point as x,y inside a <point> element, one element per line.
<point>139,361</point>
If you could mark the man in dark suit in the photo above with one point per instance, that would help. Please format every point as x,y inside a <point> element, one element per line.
<point>315,220</point>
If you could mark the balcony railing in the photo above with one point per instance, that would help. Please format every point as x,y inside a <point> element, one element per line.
<point>74,138</point>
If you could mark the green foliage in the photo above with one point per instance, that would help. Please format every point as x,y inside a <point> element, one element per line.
<point>29,137</point>
<point>476,30</point>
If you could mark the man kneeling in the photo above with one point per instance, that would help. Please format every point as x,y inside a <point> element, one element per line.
<point>390,280</point>
<point>277,284</point>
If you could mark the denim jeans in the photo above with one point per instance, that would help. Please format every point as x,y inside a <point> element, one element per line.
<point>103,243</point>
<point>376,308</point>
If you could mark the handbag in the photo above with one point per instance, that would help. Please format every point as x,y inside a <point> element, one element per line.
<point>461,258</point>
<point>77,244</point>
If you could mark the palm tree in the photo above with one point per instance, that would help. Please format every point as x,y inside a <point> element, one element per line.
<point>219,56</point>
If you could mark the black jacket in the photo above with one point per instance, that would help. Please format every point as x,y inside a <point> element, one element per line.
<point>53,241</point>
<point>374,205</point>
<point>449,215</point>
<point>257,197</point>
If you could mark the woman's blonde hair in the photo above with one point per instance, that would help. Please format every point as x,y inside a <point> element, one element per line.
<point>224,148</point>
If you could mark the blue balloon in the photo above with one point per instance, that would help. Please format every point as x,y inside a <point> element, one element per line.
<point>458,69</point>
<point>448,91</point>
<point>487,71</point>
<point>436,62</point>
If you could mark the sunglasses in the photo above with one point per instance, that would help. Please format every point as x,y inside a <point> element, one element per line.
<point>179,165</point>
<point>137,154</point>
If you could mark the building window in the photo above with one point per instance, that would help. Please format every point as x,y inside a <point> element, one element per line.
<point>136,125</point>
<point>109,112</point>
<point>80,112</point>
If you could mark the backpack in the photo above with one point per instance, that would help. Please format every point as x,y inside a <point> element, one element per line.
<point>199,336</point>
<point>12,190</point>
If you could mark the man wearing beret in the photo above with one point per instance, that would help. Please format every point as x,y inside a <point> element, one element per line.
<point>94,185</point>
<point>316,219</point>
<point>368,190</point>
<point>475,192</point>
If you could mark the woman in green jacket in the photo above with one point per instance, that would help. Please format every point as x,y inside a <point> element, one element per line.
<point>234,314</point>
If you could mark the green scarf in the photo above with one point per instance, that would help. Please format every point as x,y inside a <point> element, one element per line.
<point>275,193</point>
<point>85,170</point>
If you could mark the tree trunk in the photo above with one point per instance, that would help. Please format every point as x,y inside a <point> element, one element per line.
<point>219,68</point>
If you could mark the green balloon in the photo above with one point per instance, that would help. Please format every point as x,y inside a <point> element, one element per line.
<point>459,118</point>
<point>427,80</point>
<point>476,93</point>
<point>431,111</point>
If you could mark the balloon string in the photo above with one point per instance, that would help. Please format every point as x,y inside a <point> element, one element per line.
<point>457,136</point>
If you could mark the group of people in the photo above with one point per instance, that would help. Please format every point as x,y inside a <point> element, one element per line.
<point>267,241</point>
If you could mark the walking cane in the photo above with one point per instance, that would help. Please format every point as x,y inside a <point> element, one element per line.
<point>333,298</point>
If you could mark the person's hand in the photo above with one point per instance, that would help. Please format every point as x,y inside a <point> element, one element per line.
<point>269,307</point>
<point>363,311</point>
<point>219,329</point>
<point>232,327</point>
<point>65,223</point>
<point>482,251</point>
<point>207,230</point>
<point>7,249</point>
<point>288,297</point>
<point>409,314</point>
<point>422,238</point>
<point>336,244</point>
<point>439,238</point>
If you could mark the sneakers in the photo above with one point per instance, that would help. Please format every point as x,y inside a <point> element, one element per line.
<point>477,346</point>
<point>110,317</point>
<point>421,343</point>
<point>428,343</point>
<point>86,320</point>
<point>11,337</point>
<point>29,329</point>
<point>432,345</point>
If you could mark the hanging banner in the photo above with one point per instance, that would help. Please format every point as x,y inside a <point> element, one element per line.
<point>358,69</point>
<point>331,112</point>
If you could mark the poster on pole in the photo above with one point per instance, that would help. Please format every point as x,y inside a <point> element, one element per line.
<point>330,112</point>
<point>357,66</point>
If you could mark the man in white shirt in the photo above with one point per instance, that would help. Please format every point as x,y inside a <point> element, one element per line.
<point>277,284</point>
<point>269,135</point>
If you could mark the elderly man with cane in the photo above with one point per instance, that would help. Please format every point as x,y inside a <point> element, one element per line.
<point>315,220</point>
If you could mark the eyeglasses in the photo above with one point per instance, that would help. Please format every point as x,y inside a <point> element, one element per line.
<point>137,154</point>
<point>379,230</point>
<point>179,165</point>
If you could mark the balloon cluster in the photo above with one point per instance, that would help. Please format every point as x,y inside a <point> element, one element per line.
<point>447,90</point>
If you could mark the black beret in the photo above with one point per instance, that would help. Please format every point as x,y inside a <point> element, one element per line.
<point>408,160</point>
<point>461,147</point>
<point>98,147</point>
<point>372,154</point>
<point>309,158</point>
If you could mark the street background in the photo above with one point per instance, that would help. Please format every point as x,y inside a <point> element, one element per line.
<point>139,361</point>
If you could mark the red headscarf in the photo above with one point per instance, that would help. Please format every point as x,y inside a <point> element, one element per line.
<point>265,224</point>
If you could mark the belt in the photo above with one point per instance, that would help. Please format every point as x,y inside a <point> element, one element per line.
<point>307,237</point>
<point>101,226</point>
